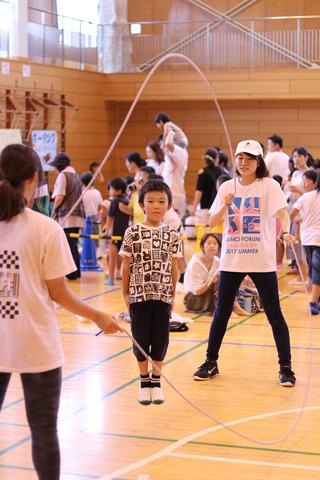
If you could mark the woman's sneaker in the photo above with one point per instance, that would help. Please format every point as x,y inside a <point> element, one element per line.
<point>157,395</point>
<point>286,377</point>
<point>207,370</point>
<point>314,308</point>
<point>144,396</point>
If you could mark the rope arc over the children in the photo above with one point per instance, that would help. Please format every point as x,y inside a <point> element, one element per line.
<point>132,107</point>
<point>105,159</point>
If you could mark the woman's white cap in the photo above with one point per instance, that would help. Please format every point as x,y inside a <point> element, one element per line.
<point>249,146</point>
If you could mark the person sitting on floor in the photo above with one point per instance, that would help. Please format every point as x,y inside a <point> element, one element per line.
<point>201,278</point>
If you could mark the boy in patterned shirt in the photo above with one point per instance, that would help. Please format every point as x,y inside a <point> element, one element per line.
<point>150,252</point>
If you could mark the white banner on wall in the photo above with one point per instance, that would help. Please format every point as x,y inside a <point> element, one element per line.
<point>9,135</point>
<point>44,142</point>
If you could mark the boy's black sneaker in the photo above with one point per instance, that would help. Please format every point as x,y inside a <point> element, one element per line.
<point>207,370</point>
<point>286,377</point>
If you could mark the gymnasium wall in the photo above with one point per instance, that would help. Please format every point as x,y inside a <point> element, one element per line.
<point>255,104</point>
<point>298,122</point>
<point>154,10</point>
<point>90,129</point>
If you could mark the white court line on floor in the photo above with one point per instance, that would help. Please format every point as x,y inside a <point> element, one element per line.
<point>168,450</point>
<point>246,462</point>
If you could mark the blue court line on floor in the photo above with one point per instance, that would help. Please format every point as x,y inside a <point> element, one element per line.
<point>106,292</point>
<point>78,372</point>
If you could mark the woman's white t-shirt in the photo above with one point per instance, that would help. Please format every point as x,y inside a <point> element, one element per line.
<point>197,273</point>
<point>33,248</point>
<point>309,206</point>
<point>249,236</point>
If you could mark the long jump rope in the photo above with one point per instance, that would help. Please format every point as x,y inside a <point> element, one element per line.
<point>181,394</point>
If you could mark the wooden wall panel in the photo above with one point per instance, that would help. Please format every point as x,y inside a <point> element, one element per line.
<point>248,100</point>
<point>297,121</point>
<point>154,10</point>
<point>91,128</point>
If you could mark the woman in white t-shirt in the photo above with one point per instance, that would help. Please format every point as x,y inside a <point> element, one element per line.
<point>34,258</point>
<point>248,205</point>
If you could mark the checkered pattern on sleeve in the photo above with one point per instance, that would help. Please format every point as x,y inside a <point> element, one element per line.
<point>9,260</point>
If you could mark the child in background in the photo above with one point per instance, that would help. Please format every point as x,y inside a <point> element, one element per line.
<point>35,258</point>
<point>92,199</point>
<point>117,223</point>
<point>133,208</point>
<point>308,205</point>
<point>150,250</point>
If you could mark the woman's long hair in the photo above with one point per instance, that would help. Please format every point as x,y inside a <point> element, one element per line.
<point>155,147</point>
<point>18,163</point>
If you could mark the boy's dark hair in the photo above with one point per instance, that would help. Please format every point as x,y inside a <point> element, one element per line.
<point>86,178</point>
<point>162,117</point>
<point>316,164</point>
<point>135,157</point>
<point>18,163</point>
<point>155,186</point>
<point>276,140</point>
<point>262,170</point>
<point>278,179</point>
<point>118,184</point>
<point>311,175</point>
<point>147,169</point>
<point>155,176</point>
<point>93,165</point>
<point>221,179</point>
<point>128,179</point>
<point>317,187</point>
<point>208,235</point>
<point>223,159</point>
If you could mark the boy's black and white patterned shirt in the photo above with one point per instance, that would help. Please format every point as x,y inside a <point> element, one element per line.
<point>151,250</point>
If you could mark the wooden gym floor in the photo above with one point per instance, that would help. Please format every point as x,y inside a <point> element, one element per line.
<point>103,429</point>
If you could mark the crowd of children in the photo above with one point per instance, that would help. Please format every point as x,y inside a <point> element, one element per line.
<point>141,218</point>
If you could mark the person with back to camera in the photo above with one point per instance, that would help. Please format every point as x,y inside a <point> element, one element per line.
<point>35,257</point>
<point>206,190</point>
<point>116,224</point>
<point>150,251</point>
<point>174,144</point>
<point>249,205</point>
